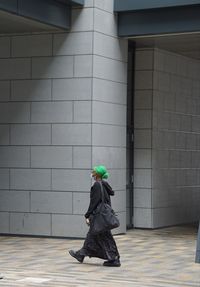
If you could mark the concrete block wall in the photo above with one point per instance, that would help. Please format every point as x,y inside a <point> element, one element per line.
<point>166,139</point>
<point>175,179</point>
<point>58,93</point>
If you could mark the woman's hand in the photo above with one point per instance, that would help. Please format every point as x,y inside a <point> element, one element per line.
<point>87,221</point>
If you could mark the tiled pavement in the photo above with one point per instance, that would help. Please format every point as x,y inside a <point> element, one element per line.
<point>159,258</point>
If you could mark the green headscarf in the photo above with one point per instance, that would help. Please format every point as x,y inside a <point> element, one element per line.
<point>102,171</point>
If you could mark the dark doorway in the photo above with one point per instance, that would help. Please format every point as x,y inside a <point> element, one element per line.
<point>130,137</point>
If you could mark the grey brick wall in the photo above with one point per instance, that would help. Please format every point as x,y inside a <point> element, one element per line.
<point>62,110</point>
<point>166,139</point>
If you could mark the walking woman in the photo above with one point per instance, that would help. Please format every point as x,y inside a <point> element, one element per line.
<point>101,245</point>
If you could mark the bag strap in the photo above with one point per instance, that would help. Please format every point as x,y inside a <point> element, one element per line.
<point>102,193</point>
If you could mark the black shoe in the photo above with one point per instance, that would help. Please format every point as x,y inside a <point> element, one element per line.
<point>112,263</point>
<point>77,256</point>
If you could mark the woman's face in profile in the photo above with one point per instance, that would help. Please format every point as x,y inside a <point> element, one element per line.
<point>94,175</point>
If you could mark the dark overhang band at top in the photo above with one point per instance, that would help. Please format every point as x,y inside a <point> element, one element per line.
<point>134,5</point>
<point>145,18</point>
<point>78,2</point>
<point>55,13</point>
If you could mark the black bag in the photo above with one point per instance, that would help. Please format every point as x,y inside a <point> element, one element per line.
<point>104,217</point>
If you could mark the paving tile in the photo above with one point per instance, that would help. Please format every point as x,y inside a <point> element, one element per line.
<point>150,258</point>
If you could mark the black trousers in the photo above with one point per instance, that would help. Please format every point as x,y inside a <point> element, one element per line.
<point>101,246</point>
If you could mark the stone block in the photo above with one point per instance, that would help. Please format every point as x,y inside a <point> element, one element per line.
<point>51,112</point>
<point>51,202</point>
<point>143,99</point>
<point>30,134</point>
<point>82,20</point>
<point>80,203</point>
<point>195,159</point>
<point>117,179</point>
<point>82,112</point>
<point>4,135</point>
<point>110,47</point>
<point>143,119</point>
<point>12,156</point>
<point>4,222</point>
<point>191,141</point>
<point>144,59</point>
<point>71,134</point>
<point>105,22</point>
<point>14,201</point>
<point>108,91</point>
<point>32,45</point>
<point>30,179</point>
<point>72,89</point>
<point>111,157</point>
<point>4,47</point>
<point>164,82</point>
<point>195,124</point>
<point>52,67</point>
<point>142,158</point>
<point>143,218</point>
<point>175,122</point>
<point>158,60</point>
<point>143,80</point>
<point>31,90</point>
<point>105,5</point>
<point>107,135</point>
<point>82,157</point>
<point>109,69</point>
<point>14,113</point>
<point>170,102</point>
<point>4,178</point>
<point>72,43</point>
<point>165,216</point>
<point>107,113</point>
<point>62,226</point>
<point>15,69</point>
<point>83,65</point>
<point>51,157</point>
<point>4,91</point>
<point>71,180</point>
<point>143,138</point>
<point>89,3</point>
<point>30,224</point>
<point>170,62</point>
<point>142,197</point>
<point>182,66</point>
<point>161,197</point>
<point>186,123</point>
<point>119,201</point>
<point>142,178</point>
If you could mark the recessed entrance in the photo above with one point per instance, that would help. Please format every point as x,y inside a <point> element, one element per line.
<point>166,128</point>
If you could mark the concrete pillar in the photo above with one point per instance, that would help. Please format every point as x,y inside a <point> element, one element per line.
<point>62,110</point>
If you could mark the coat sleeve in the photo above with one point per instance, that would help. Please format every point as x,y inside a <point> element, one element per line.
<point>95,198</point>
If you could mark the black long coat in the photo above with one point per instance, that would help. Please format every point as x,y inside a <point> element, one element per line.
<point>95,196</point>
<point>102,245</point>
